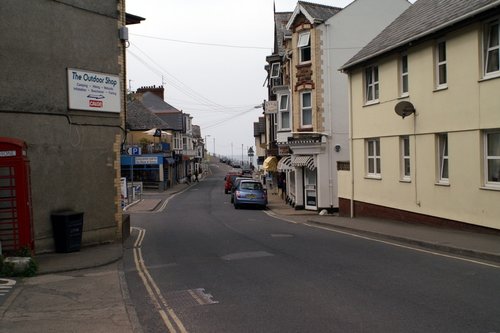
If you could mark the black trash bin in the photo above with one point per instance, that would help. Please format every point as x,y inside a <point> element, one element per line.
<point>67,227</point>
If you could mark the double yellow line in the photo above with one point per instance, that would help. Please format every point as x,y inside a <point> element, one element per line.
<point>167,314</point>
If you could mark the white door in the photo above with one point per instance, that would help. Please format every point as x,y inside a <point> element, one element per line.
<point>310,193</point>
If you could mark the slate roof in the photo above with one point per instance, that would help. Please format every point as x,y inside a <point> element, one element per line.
<point>155,104</point>
<point>319,12</point>
<point>314,12</point>
<point>139,118</point>
<point>173,119</point>
<point>259,127</point>
<point>421,19</point>
<point>280,31</point>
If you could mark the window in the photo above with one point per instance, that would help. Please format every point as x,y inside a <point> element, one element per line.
<point>405,157</point>
<point>284,112</point>
<point>177,141</point>
<point>443,158</point>
<point>306,109</point>
<point>373,157</point>
<point>441,65</point>
<point>275,70</point>
<point>492,48</point>
<point>492,157</point>
<point>404,74</point>
<point>371,84</point>
<point>304,45</point>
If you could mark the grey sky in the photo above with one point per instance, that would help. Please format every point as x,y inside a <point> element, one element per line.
<point>210,56</point>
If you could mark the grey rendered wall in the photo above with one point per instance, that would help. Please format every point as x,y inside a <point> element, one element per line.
<point>71,152</point>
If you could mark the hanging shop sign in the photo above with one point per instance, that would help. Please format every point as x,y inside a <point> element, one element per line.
<point>271,107</point>
<point>93,91</point>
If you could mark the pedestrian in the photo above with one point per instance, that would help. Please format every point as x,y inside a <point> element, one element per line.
<point>283,189</point>
<point>196,175</point>
<point>188,178</point>
<point>280,184</point>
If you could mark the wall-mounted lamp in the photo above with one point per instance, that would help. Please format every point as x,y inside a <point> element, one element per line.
<point>337,148</point>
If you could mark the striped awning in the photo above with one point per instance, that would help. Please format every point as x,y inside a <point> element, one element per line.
<point>285,164</point>
<point>304,161</point>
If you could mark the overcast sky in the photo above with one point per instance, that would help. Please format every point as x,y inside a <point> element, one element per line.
<point>210,57</point>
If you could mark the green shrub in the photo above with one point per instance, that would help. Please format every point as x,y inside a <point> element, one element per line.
<point>7,269</point>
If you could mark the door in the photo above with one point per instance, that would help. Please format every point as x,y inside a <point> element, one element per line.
<point>310,193</point>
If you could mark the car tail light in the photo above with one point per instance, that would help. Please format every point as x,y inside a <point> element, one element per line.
<point>237,193</point>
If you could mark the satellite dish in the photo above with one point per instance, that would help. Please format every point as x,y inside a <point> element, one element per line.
<point>404,109</point>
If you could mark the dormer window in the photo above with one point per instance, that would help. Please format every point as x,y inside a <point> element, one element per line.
<point>304,46</point>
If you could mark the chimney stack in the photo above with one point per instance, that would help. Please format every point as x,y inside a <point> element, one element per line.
<point>158,91</point>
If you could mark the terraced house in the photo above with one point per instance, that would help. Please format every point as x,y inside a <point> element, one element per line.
<point>311,96</point>
<point>425,115</point>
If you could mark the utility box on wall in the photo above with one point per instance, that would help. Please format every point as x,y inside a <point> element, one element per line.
<point>16,225</point>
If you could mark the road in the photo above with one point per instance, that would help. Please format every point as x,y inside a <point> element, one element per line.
<point>202,266</point>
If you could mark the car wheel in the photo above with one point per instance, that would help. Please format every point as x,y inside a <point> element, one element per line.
<point>225,191</point>
<point>232,199</point>
<point>236,206</point>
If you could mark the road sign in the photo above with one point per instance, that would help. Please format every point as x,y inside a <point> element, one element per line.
<point>134,151</point>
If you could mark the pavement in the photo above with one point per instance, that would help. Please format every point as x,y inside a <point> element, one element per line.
<point>85,291</point>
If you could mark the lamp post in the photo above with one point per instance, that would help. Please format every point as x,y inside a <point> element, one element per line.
<point>214,146</point>
<point>206,146</point>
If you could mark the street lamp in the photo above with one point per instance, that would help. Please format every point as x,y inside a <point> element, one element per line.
<point>206,145</point>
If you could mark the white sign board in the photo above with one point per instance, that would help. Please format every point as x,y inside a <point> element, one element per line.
<point>123,187</point>
<point>8,153</point>
<point>271,107</point>
<point>146,160</point>
<point>93,91</point>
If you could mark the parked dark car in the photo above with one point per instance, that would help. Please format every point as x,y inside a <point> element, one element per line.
<point>250,192</point>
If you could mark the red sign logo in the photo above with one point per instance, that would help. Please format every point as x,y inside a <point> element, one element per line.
<point>95,104</point>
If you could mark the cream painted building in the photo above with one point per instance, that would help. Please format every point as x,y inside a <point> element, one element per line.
<point>312,98</point>
<point>438,66</point>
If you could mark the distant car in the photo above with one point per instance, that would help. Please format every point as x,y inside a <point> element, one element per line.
<point>250,192</point>
<point>247,172</point>
<point>228,180</point>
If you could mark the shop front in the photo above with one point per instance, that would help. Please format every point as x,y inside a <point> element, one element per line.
<point>151,170</point>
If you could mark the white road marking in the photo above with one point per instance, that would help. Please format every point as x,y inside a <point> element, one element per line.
<point>6,285</point>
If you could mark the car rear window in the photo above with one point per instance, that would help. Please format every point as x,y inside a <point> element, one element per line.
<point>251,186</point>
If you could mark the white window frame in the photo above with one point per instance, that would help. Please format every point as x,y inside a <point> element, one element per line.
<point>404,76</point>
<point>489,51</point>
<point>283,109</point>
<point>373,160</point>
<point>372,84</point>
<point>489,157</point>
<point>441,82</point>
<point>443,158</point>
<point>304,44</point>
<point>304,109</point>
<point>405,157</point>
<point>275,70</point>
<point>177,141</point>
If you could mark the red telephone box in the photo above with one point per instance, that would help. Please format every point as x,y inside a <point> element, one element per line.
<point>16,226</point>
